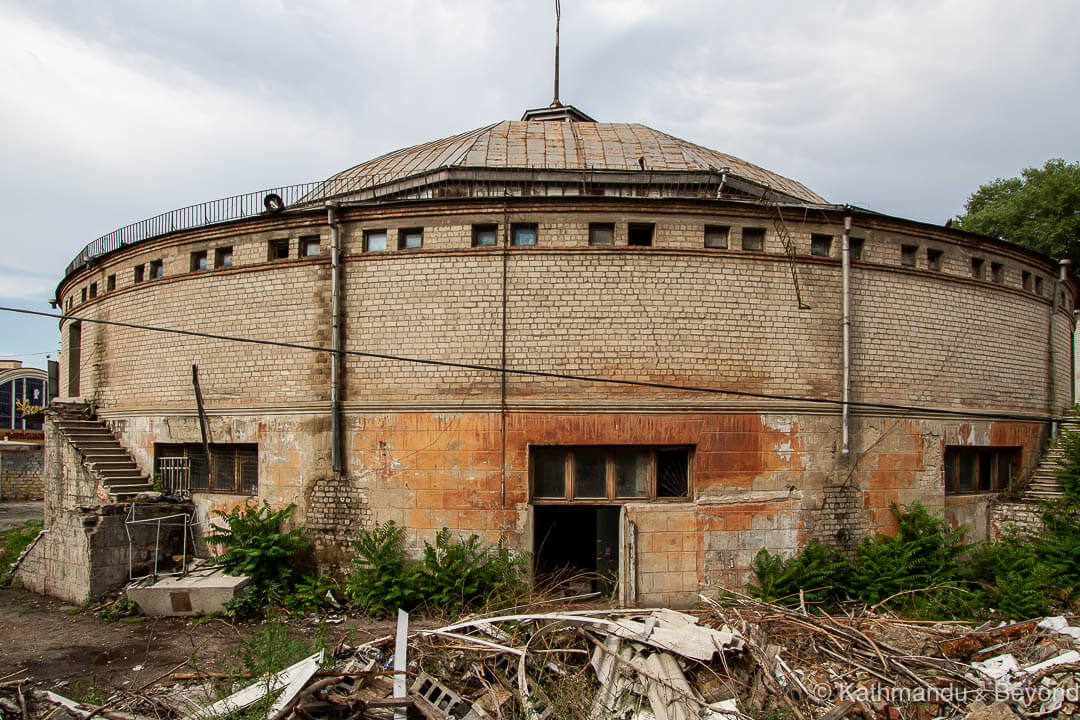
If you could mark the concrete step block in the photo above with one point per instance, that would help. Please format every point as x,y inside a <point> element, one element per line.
<point>200,592</point>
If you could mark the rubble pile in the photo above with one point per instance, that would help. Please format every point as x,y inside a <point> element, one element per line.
<point>731,661</point>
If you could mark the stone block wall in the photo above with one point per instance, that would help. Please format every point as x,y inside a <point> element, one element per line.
<point>21,474</point>
<point>85,552</point>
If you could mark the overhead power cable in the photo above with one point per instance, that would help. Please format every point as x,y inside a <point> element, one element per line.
<point>1028,417</point>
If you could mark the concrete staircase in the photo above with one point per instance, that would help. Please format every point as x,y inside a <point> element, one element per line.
<point>1044,484</point>
<point>106,458</point>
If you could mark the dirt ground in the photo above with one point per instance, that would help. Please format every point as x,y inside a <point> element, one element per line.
<point>55,646</point>
<point>14,514</point>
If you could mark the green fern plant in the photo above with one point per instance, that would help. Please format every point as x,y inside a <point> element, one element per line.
<point>381,579</point>
<point>256,546</point>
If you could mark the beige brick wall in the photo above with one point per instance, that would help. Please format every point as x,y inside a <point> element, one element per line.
<point>424,444</point>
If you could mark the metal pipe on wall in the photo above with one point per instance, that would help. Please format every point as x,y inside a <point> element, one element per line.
<point>335,335</point>
<point>845,282</point>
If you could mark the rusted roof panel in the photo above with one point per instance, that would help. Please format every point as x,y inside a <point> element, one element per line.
<point>562,145</point>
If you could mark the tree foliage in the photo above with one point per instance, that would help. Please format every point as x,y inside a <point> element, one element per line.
<point>1039,210</point>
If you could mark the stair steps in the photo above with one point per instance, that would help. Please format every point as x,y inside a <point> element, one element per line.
<point>1043,483</point>
<point>106,458</point>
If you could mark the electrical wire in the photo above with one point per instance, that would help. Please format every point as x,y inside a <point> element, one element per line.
<point>1027,417</point>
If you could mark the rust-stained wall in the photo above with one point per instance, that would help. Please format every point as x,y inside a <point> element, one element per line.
<point>758,480</point>
<point>425,446</point>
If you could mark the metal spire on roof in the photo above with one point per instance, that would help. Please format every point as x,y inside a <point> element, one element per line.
<point>558,13</point>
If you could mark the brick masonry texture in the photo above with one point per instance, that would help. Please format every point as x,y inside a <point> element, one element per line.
<point>425,445</point>
<point>85,549</point>
<point>21,474</point>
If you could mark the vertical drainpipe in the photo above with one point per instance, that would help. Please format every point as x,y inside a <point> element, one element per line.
<point>845,282</point>
<point>335,335</point>
<point>1063,266</point>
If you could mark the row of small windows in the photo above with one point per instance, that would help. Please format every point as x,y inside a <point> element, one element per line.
<point>979,267</point>
<point>751,239</point>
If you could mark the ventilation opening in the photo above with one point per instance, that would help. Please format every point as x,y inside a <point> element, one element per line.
<point>577,546</point>
<point>639,234</point>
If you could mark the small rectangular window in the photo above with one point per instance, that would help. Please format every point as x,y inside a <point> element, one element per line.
<point>198,260</point>
<point>855,248</point>
<point>523,235</point>
<point>820,245</point>
<point>157,269</point>
<point>639,234</point>
<point>93,290</point>
<point>310,246</point>
<point>374,240</point>
<point>933,259</point>
<point>601,233</point>
<point>1025,280</point>
<point>231,468</point>
<point>483,235</point>
<point>139,273</point>
<point>908,254</point>
<point>997,272</point>
<point>609,473</point>
<point>979,469</point>
<point>82,295</point>
<point>110,283</point>
<point>753,239</point>
<point>716,236</point>
<point>1038,286</point>
<point>278,249</point>
<point>410,238</point>
<point>223,257</point>
<point>977,268</point>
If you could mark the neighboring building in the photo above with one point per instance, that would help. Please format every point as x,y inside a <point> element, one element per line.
<point>24,393</point>
<point>569,247</point>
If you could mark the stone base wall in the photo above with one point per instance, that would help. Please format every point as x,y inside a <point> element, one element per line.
<point>85,552</point>
<point>1019,517</point>
<point>758,479</point>
<point>21,475</point>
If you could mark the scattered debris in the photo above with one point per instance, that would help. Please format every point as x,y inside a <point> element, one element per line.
<point>735,660</point>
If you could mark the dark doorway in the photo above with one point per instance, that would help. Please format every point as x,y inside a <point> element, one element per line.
<point>74,358</point>
<point>577,546</point>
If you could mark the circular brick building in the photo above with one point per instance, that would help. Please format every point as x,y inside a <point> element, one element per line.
<point>531,263</point>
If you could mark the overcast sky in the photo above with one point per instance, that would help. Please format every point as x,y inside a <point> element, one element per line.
<point>115,111</point>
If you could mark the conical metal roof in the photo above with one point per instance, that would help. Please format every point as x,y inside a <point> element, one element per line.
<point>532,144</point>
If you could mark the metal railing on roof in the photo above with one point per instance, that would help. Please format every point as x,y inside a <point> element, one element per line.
<point>236,207</point>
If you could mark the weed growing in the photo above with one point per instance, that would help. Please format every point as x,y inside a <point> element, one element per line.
<point>926,570</point>
<point>264,652</point>
<point>255,545</point>
<point>454,574</point>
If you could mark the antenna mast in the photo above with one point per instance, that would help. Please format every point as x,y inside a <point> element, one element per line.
<point>555,102</point>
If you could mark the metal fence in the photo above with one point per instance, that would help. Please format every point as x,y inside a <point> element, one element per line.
<point>175,474</point>
<point>227,209</point>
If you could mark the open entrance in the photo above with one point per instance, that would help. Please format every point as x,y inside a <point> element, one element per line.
<point>577,546</point>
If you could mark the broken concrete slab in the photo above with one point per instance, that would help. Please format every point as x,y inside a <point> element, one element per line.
<point>200,592</point>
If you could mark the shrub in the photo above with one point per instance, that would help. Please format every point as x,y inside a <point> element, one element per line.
<point>310,593</point>
<point>453,574</point>
<point>256,546</point>
<point>1012,577</point>
<point>382,580</point>
<point>819,571</point>
<point>922,554</point>
<point>459,574</point>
